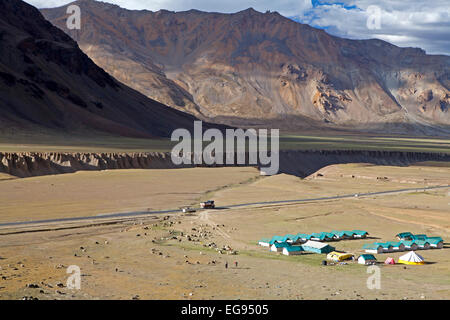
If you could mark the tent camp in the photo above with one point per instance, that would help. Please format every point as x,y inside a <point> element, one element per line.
<point>292,250</point>
<point>367,259</point>
<point>339,256</point>
<point>411,258</point>
<point>317,247</point>
<point>389,261</point>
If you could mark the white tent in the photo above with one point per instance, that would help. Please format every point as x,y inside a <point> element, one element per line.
<point>411,258</point>
<point>315,244</point>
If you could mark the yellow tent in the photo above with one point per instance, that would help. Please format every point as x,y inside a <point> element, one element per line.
<point>411,258</point>
<point>339,256</point>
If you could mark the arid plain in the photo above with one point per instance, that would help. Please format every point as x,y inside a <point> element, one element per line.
<point>183,256</point>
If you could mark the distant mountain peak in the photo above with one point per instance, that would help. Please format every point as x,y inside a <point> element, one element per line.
<point>251,67</point>
<point>249,11</point>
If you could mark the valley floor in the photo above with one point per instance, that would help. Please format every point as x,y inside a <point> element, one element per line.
<point>38,141</point>
<point>174,256</point>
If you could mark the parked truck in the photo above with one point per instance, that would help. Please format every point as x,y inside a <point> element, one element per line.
<point>207,204</point>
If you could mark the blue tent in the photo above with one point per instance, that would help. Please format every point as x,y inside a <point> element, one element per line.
<point>422,237</point>
<point>321,236</point>
<point>434,238</point>
<point>404,236</point>
<point>288,237</point>
<point>294,248</point>
<point>304,236</point>
<point>276,239</point>
<point>360,233</point>
<point>317,247</point>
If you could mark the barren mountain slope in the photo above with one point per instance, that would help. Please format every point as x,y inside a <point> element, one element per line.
<point>248,66</point>
<point>48,83</point>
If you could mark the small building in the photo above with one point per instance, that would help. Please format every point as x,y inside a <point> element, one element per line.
<point>410,245</point>
<point>339,256</point>
<point>422,245</point>
<point>373,248</point>
<point>359,234</point>
<point>264,242</point>
<point>317,247</point>
<point>367,259</point>
<point>278,247</point>
<point>404,236</point>
<point>437,243</point>
<point>293,250</point>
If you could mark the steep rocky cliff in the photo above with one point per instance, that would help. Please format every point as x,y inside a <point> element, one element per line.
<point>48,83</point>
<point>299,163</point>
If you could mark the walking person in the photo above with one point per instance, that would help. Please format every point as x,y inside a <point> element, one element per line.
<point>236,264</point>
<point>226,265</point>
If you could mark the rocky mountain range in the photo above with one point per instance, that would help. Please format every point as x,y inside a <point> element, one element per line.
<point>48,83</point>
<point>253,69</point>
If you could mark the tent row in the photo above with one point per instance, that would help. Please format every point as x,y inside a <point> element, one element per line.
<point>412,245</point>
<point>408,236</point>
<point>320,236</point>
<point>310,246</point>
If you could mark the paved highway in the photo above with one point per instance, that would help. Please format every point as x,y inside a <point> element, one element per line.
<point>147,213</point>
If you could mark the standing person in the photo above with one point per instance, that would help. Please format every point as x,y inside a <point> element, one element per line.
<point>226,265</point>
<point>236,264</point>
